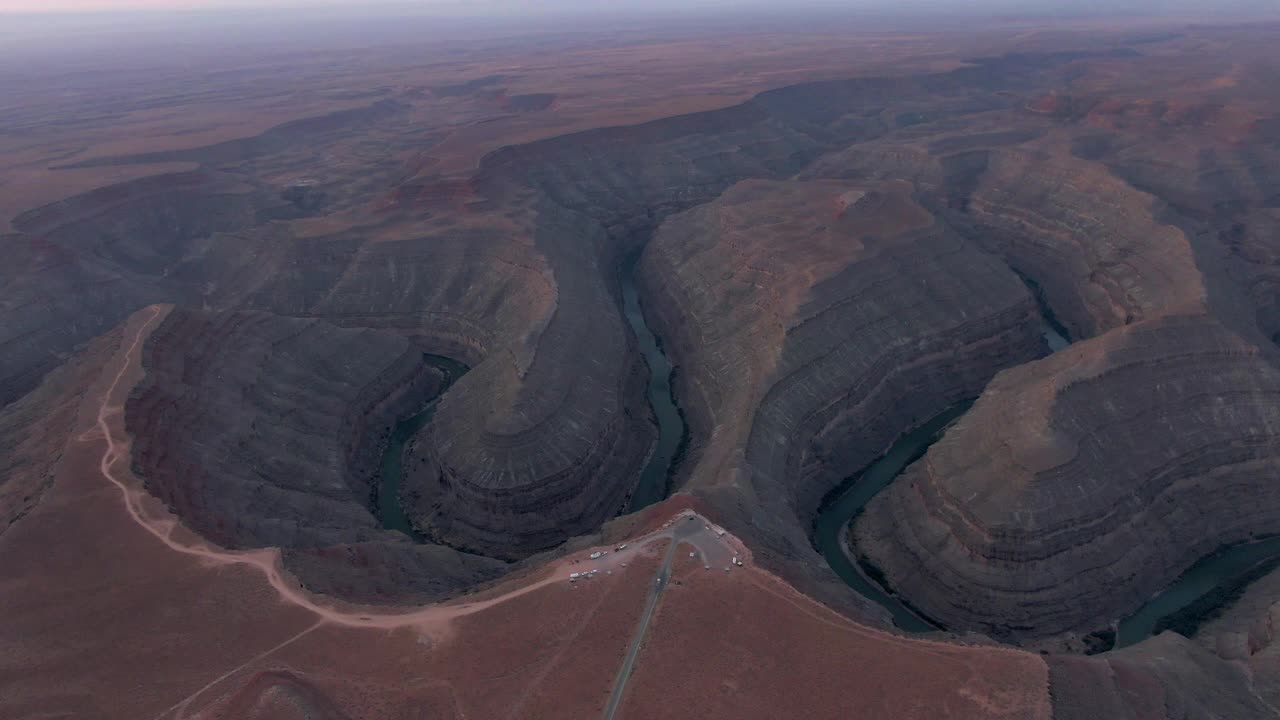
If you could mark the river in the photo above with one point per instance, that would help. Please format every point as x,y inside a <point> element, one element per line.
<point>1212,583</point>
<point>856,491</point>
<point>1205,588</point>
<point>1221,575</point>
<point>652,486</point>
<point>655,477</point>
<point>854,494</point>
<point>1225,572</point>
<point>389,511</point>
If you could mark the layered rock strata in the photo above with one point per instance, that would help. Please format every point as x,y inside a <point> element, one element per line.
<point>81,266</point>
<point>1090,240</point>
<point>812,321</point>
<point>35,428</point>
<point>511,272</point>
<point>1079,485</point>
<point>253,428</point>
<point>546,440</point>
<point>1097,248</point>
<point>486,480</point>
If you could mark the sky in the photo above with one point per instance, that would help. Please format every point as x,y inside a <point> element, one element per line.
<point>99,5</point>
<point>524,7</point>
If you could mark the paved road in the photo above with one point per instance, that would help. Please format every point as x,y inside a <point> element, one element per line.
<point>684,529</point>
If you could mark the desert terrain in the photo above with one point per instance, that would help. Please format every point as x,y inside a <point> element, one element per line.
<point>239,282</point>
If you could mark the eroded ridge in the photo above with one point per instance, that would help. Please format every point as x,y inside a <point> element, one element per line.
<point>264,431</point>
<point>142,509</point>
<point>1079,485</point>
<point>811,321</point>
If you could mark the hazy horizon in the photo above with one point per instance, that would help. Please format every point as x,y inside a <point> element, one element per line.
<point>49,31</point>
<point>516,8</point>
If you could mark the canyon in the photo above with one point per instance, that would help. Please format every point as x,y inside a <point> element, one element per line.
<point>373,369</point>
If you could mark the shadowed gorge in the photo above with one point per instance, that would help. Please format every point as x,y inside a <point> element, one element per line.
<point>1182,497</point>
<point>387,503</point>
<point>290,403</point>
<point>520,455</point>
<point>675,369</point>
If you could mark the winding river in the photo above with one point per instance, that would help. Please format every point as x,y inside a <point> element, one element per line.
<point>653,484</point>
<point>834,518</point>
<point>1212,583</point>
<point>1215,581</point>
<point>831,528</point>
<point>389,511</point>
<point>654,478</point>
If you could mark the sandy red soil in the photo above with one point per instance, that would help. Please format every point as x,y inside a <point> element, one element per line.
<point>744,645</point>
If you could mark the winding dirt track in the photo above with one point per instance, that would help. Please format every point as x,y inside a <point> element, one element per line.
<point>114,467</point>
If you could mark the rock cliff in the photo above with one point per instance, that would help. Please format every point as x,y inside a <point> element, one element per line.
<point>812,322</point>
<point>1081,484</point>
<point>255,430</point>
<point>512,271</point>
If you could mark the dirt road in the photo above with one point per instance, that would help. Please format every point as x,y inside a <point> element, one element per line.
<point>685,530</point>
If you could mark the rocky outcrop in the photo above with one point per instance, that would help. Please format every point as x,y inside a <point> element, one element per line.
<point>812,328</point>
<point>811,322</point>
<point>1079,485</point>
<point>35,429</point>
<point>546,440</point>
<point>1252,241</point>
<point>486,475</point>
<point>79,267</point>
<point>252,428</point>
<point>1102,252</point>
<point>1166,677</point>
<point>1089,240</point>
<point>511,272</point>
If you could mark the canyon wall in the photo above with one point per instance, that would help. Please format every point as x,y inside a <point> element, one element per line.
<point>812,322</point>
<point>1079,485</point>
<point>250,427</point>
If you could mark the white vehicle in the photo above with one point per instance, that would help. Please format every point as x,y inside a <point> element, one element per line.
<point>597,555</point>
<point>623,546</point>
<point>574,576</point>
